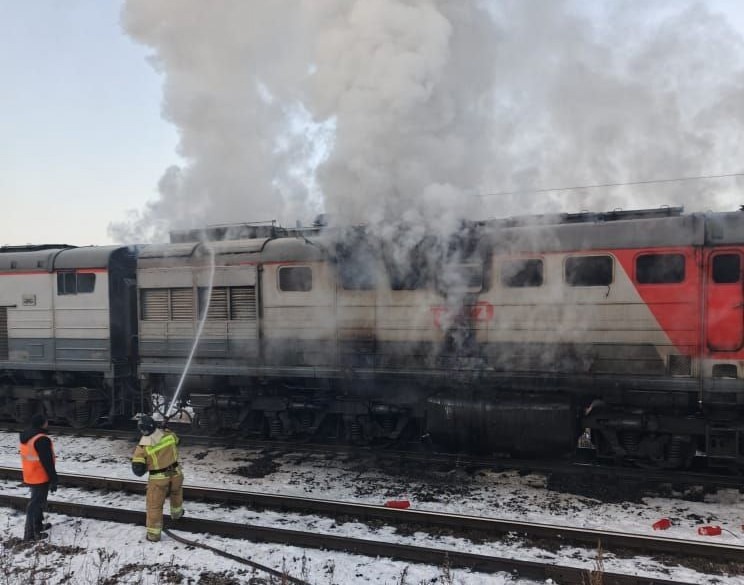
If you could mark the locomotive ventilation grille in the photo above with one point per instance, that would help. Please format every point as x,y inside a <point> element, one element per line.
<point>680,365</point>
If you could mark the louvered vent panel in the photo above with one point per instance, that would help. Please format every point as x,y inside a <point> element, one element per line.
<point>218,304</point>
<point>680,365</point>
<point>182,304</point>
<point>243,303</point>
<point>154,304</point>
<point>3,333</point>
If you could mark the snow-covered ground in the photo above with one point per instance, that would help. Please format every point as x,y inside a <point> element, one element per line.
<point>82,552</point>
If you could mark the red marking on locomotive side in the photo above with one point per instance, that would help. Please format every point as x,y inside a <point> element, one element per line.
<point>481,311</point>
<point>676,306</point>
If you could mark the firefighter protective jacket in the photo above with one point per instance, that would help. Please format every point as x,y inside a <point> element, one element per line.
<point>37,457</point>
<point>156,453</point>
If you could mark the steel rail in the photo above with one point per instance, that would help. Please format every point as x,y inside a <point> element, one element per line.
<point>310,540</point>
<point>457,523</point>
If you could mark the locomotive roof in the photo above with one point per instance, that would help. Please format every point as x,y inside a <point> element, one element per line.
<point>85,257</point>
<point>298,248</point>
<point>683,230</point>
<point>35,259</point>
<point>271,250</point>
<point>47,259</point>
<point>193,249</point>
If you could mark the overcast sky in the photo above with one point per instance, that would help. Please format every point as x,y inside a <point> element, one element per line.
<point>80,116</point>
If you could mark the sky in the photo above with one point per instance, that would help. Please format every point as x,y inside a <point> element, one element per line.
<point>86,145</point>
<point>80,105</point>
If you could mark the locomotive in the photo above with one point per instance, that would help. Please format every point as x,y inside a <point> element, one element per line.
<point>511,336</point>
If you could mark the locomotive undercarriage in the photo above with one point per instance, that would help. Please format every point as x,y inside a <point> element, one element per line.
<point>293,409</point>
<point>644,438</point>
<point>641,432</point>
<point>73,399</point>
<point>655,429</point>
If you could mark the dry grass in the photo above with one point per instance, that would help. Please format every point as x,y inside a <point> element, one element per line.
<point>596,575</point>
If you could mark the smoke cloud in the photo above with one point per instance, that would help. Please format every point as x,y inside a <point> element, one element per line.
<point>428,111</point>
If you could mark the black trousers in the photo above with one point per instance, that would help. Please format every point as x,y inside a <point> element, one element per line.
<point>35,510</point>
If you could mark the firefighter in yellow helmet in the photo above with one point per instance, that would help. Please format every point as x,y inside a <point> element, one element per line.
<point>157,453</point>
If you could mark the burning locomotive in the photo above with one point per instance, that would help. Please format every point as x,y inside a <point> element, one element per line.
<point>512,336</point>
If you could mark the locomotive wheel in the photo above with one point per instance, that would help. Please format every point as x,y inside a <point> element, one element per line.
<point>81,414</point>
<point>207,421</point>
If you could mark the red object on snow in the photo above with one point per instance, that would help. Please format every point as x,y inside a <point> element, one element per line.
<point>662,524</point>
<point>401,504</point>
<point>709,530</point>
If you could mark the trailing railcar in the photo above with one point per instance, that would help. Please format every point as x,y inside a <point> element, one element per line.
<point>67,333</point>
<point>514,336</point>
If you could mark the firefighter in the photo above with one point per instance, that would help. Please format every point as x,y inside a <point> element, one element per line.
<point>157,453</point>
<point>39,473</point>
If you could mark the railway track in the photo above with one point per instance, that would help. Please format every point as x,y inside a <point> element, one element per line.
<point>435,522</point>
<point>564,475</point>
<point>566,575</point>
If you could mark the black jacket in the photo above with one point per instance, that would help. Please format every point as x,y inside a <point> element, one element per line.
<point>44,449</point>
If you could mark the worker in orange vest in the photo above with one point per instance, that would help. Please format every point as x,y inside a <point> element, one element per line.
<point>39,473</point>
<point>157,453</point>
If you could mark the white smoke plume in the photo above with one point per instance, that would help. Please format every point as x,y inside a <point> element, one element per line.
<point>414,109</point>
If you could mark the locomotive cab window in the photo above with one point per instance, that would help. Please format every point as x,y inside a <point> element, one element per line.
<point>522,273</point>
<point>295,278</point>
<point>726,268</point>
<point>660,269</point>
<point>72,283</point>
<point>588,270</point>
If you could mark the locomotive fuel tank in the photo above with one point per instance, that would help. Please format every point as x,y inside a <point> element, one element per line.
<point>519,424</point>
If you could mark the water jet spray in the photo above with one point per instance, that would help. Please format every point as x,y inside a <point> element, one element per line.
<point>205,311</point>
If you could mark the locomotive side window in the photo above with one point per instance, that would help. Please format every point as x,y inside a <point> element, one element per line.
<point>522,273</point>
<point>726,268</point>
<point>86,282</point>
<point>66,283</point>
<point>72,283</point>
<point>588,270</point>
<point>660,268</point>
<point>295,278</point>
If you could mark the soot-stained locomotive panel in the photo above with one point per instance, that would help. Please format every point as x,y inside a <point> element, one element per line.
<point>508,337</point>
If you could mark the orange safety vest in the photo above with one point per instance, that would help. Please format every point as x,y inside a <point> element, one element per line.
<point>33,471</point>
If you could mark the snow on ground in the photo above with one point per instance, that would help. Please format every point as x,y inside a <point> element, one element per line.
<point>82,552</point>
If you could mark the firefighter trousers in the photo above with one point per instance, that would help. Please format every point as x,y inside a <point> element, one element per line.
<point>159,488</point>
